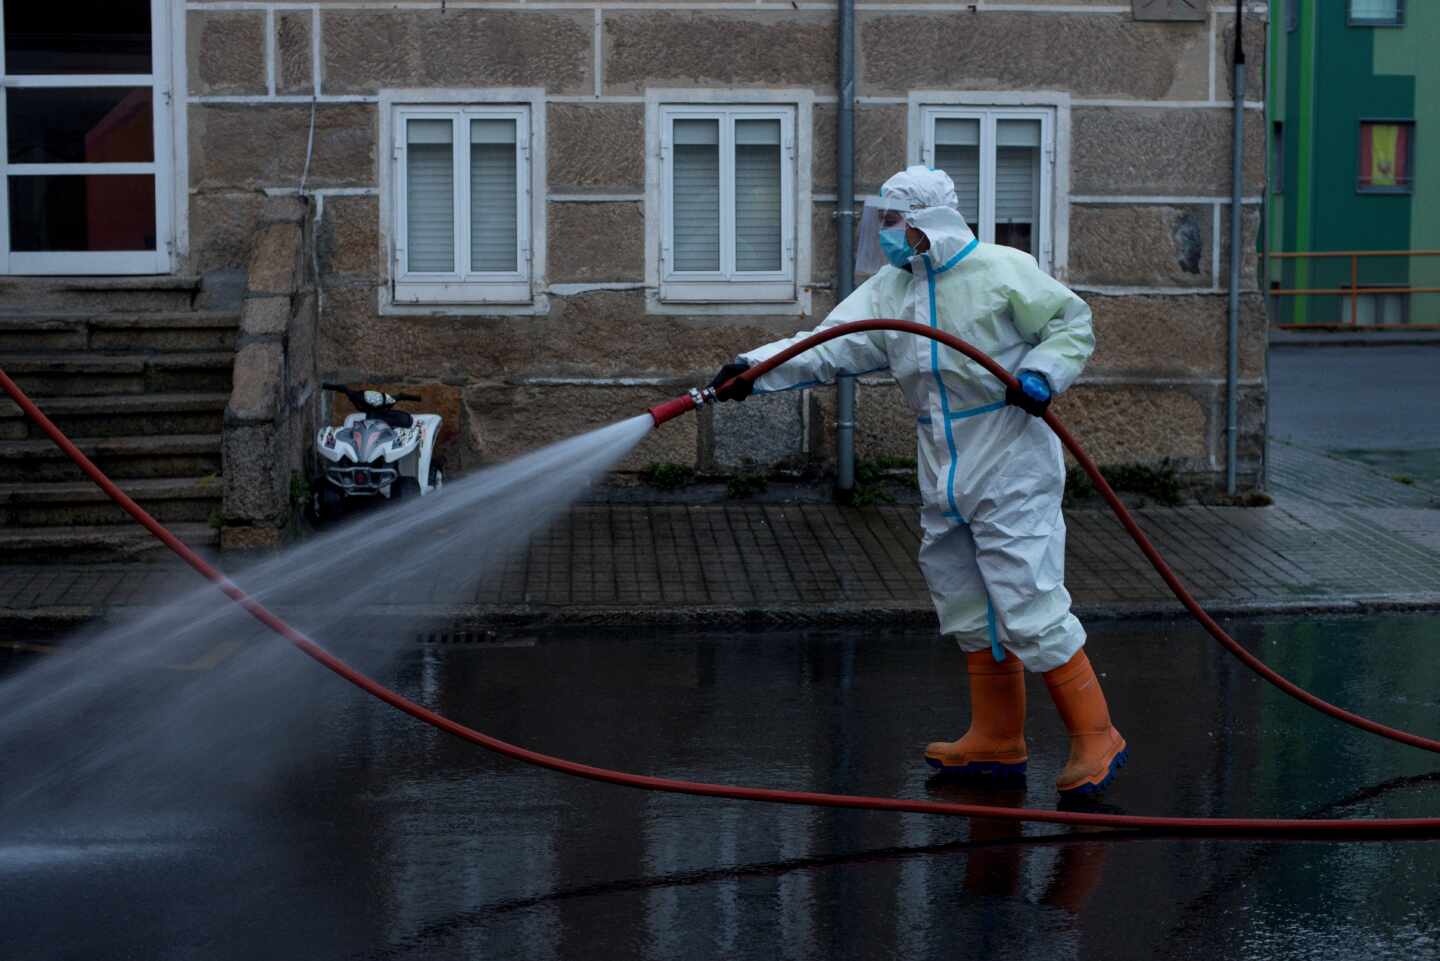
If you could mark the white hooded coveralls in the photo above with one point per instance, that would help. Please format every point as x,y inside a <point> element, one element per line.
<point>991,476</point>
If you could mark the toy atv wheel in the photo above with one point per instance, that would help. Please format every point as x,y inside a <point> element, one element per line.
<point>404,489</point>
<point>326,504</point>
<point>437,473</point>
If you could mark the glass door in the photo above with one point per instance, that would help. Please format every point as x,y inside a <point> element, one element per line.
<point>85,170</point>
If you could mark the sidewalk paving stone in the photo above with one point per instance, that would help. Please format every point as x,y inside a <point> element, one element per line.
<point>1337,534</point>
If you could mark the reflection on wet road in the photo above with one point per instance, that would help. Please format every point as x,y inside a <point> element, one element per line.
<point>360,834</point>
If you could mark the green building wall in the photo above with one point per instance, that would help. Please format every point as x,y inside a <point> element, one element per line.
<point>1327,76</point>
<point>1414,51</point>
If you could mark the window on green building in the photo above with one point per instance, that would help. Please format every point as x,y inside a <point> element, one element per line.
<point>1377,13</point>
<point>1387,156</point>
<point>1277,157</point>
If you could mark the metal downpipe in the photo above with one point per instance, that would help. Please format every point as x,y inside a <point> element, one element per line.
<point>1237,196</point>
<point>845,242</point>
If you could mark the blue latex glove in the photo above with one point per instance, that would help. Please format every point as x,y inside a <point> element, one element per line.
<point>1034,393</point>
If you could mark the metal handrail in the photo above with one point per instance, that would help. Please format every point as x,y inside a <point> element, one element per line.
<point>1354,290</point>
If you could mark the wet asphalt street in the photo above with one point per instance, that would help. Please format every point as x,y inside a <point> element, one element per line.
<point>1375,405</point>
<point>329,826</point>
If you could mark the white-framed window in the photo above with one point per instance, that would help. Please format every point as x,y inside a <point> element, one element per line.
<point>727,205</point>
<point>729,211</point>
<point>87,165</point>
<point>462,199</point>
<point>1002,160</point>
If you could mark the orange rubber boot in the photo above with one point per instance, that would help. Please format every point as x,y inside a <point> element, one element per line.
<point>995,743</point>
<point>1097,750</point>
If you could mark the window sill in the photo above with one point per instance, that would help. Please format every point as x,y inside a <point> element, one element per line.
<point>728,292</point>
<point>389,307</point>
<point>441,294</point>
<point>796,304</point>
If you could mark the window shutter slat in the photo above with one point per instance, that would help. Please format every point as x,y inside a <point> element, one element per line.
<point>494,210</point>
<point>430,196</point>
<point>957,132</point>
<point>1017,171</point>
<point>757,195</point>
<point>1016,176</point>
<point>696,200</point>
<point>962,163</point>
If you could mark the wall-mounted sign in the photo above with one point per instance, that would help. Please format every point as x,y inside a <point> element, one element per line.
<point>1170,9</point>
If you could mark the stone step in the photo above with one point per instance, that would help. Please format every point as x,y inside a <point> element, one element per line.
<point>120,415</point>
<point>21,333</point>
<point>46,375</point>
<point>83,503</point>
<point>34,331</point>
<point>96,294</point>
<point>92,374</point>
<point>204,330</point>
<point>122,458</point>
<point>85,545</point>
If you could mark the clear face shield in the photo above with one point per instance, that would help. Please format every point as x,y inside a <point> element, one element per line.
<point>880,213</point>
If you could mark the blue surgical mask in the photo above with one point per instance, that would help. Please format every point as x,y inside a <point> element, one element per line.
<point>897,249</point>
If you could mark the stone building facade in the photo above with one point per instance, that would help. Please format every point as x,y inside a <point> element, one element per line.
<point>601,107</point>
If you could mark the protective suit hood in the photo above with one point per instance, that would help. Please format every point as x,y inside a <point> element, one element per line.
<point>948,234</point>
<point>932,207</point>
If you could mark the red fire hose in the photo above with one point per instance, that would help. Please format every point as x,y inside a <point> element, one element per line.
<point>1365,828</point>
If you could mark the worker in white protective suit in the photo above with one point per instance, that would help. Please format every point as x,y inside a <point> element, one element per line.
<point>991,473</point>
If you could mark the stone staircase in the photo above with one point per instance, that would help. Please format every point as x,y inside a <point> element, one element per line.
<point>137,371</point>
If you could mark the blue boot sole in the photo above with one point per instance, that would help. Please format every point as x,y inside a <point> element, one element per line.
<point>1085,790</point>
<point>980,769</point>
